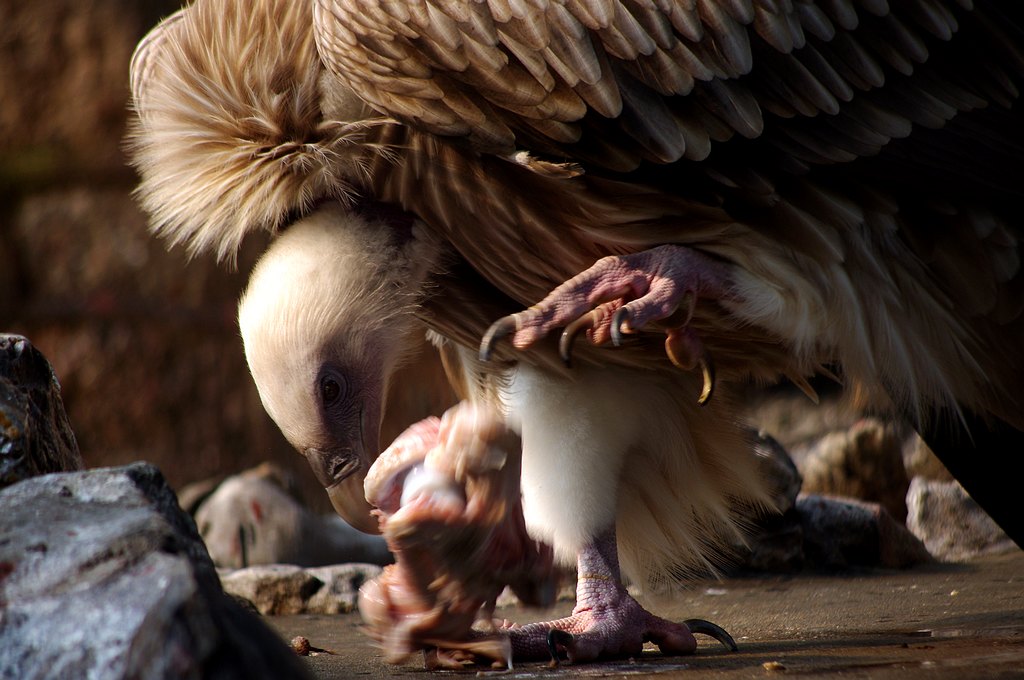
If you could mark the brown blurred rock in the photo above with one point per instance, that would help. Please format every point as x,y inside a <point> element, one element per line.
<point>787,415</point>
<point>864,462</point>
<point>341,587</point>
<point>35,435</point>
<point>950,523</point>
<point>192,495</point>
<point>919,461</point>
<point>784,480</point>
<point>273,588</point>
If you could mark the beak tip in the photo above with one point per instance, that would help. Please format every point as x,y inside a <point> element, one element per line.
<point>342,475</point>
<point>348,501</point>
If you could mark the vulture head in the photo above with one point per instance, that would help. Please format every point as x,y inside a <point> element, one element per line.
<point>323,343</point>
<point>229,140</point>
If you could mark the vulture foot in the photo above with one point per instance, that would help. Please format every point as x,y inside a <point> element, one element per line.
<point>607,622</point>
<point>620,295</point>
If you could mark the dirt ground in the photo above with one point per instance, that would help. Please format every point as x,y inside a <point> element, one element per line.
<point>938,622</point>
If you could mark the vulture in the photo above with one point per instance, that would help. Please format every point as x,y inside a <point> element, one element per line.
<point>609,217</point>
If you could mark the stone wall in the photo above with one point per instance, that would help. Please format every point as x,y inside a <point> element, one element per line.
<point>144,342</point>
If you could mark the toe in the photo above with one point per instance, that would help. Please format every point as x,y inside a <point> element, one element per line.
<point>673,639</point>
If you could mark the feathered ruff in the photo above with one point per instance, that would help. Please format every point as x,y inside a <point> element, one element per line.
<point>229,136</point>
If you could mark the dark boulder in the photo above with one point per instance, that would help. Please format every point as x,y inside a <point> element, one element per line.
<point>102,575</point>
<point>844,532</point>
<point>35,435</point>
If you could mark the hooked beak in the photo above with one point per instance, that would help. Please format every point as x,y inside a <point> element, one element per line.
<point>342,473</point>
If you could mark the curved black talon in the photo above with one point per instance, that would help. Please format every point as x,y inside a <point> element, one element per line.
<point>565,343</point>
<point>501,328</point>
<point>559,637</point>
<point>707,628</point>
<point>620,316</point>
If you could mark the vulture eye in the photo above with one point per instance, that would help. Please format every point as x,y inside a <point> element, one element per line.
<point>330,390</point>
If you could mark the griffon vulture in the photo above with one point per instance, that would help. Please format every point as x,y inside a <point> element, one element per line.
<point>711,191</point>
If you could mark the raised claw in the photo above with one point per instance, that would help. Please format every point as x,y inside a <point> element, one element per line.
<point>503,327</point>
<point>707,628</point>
<point>565,343</point>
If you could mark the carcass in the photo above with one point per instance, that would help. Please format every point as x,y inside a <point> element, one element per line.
<point>448,502</point>
<point>713,192</point>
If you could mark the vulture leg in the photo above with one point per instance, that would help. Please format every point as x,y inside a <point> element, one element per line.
<point>606,621</point>
<point>619,295</point>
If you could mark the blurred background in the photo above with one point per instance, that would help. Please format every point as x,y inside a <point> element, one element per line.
<point>144,342</point>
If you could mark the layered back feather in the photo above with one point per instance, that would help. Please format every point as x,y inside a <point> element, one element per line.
<point>852,246</point>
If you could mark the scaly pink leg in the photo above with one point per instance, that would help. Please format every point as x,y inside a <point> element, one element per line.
<point>607,622</point>
<point>622,294</point>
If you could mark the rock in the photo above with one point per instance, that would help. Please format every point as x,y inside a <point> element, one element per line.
<point>795,421</point>
<point>863,462</point>
<point>252,519</point>
<point>919,461</point>
<point>340,592</point>
<point>843,532</point>
<point>776,542</point>
<point>35,435</point>
<point>777,545</point>
<point>273,588</point>
<point>287,589</point>
<point>103,576</point>
<point>952,526</point>
<point>784,480</point>
<point>193,495</point>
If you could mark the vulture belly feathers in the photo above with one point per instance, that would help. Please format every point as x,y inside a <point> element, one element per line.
<point>849,168</point>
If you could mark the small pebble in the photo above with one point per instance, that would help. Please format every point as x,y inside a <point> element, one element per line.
<point>773,666</point>
<point>300,645</point>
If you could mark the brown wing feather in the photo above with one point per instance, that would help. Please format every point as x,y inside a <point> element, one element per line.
<point>867,203</point>
<point>606,82</point>
<point>806,104</point>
